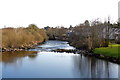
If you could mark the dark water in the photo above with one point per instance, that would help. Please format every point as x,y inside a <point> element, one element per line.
<point>47,64</point>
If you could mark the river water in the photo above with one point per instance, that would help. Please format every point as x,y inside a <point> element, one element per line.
<point>47,64</point>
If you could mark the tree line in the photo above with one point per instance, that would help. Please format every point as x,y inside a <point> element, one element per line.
<point>88,35</point>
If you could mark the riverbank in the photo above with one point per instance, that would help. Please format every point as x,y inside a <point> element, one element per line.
<point>112,54</point>
<point>18,39</point>
<point>91,54</point>
<point>23,48</point>
<point>112,50</point>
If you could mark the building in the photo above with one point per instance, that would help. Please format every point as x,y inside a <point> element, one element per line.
<point>119,11</point>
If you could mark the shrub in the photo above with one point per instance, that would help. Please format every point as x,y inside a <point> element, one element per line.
<point>19,37</point>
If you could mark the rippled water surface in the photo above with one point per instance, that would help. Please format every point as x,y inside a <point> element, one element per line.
<point>47,64</point>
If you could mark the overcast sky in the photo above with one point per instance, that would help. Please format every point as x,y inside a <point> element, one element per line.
<point>15,13</point>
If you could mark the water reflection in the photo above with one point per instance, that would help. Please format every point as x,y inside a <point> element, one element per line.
<point>95,68</point>
<point>119,71</point>
<point>12,57</point>
<point>46,64</point>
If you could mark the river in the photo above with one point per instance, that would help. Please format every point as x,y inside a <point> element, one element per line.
<point>47,64</point>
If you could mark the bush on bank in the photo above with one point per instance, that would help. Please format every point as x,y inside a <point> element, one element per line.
<point>22,37</point>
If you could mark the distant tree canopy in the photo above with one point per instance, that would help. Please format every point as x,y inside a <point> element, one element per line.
<point>70,26</point>
<point>56,33</point>
<point>116,25</point>
<point>86,23</point>
<point>46,28</point>
<point>32,26</point>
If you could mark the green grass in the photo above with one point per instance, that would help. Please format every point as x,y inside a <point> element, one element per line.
<point>112,51</point>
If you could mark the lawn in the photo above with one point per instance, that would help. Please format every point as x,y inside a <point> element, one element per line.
<point>112,51</point>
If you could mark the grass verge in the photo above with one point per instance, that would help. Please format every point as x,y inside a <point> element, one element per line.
<point>113,50</point>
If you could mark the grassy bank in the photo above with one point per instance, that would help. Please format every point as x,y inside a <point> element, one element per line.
<point>112,51</point>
